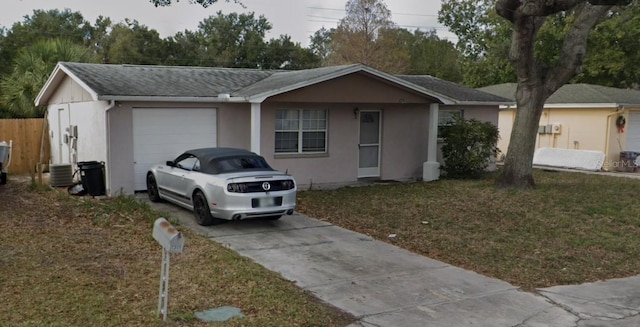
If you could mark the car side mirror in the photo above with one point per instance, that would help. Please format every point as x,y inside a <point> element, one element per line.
<point>170,163</point>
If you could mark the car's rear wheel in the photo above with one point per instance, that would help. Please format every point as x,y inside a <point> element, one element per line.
<point>202,211</point>
<point>152,188</point>
<point>272,217</point>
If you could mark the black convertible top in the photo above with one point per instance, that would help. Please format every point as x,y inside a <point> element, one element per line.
<point>215,153</point>
<point>224,160</point>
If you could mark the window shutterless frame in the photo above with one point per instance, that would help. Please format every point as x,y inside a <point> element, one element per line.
<point>302,131</point>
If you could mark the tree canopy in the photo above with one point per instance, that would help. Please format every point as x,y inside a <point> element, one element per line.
<point>234,40</point>
<point>204,3</point>
<point>367,35</point>
<point>484,41</point>
<point>30,72</point>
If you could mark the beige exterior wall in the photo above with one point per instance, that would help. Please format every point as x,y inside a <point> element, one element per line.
<point>581,128</point>
<point>403,144</point>
<point>404,129</point>
<point>233,130</point>
<point>338,165</point>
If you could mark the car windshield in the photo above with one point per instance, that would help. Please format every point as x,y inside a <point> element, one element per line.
<point>232,164</point>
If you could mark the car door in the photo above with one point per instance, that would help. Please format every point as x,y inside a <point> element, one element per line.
<point>174,177</point>
<point>182,179</point>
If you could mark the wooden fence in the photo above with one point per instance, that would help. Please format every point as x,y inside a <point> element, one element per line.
<point>30,143</point>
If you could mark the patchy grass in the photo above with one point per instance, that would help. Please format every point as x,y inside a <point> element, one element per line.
<point>573,228</point>
<point>76,261</point>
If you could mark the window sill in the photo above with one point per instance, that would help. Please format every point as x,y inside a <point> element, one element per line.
<point>300,155</point>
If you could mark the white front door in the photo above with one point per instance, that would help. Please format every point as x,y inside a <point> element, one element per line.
<point>369,146</point>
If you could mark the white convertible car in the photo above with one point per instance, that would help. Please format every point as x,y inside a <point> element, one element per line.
<point>221,184</point>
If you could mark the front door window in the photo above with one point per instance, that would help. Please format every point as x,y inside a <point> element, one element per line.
<point>369,146</point>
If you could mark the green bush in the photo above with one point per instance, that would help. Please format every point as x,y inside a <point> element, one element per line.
<point>469,146</point>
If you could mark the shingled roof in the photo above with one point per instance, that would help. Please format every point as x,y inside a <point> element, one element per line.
<point>453,90</point>
<point>575,94</point>
<point>163,81</point>
<point>136,82</point>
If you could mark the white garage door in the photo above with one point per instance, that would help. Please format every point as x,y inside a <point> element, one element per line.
<point>633,132</point>
<point>161,134</point>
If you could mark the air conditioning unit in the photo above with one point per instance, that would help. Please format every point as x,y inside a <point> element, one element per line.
<point>556,128</point>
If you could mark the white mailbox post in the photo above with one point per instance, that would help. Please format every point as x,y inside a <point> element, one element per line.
<point>171,241</point>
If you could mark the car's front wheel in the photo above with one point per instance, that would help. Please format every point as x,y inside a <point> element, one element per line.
<point>152,188</point>
<point>202,211</point>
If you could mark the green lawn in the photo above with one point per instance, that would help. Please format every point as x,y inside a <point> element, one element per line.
<point>75,261</point>
<point>572,228</point>
<point>69,261</point>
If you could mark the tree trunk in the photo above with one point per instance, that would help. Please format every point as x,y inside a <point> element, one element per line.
<point>536,82</point>
<point>517,172</point>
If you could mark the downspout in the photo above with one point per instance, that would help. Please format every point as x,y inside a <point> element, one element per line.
<point>431,168</point>
<point>107,178</point>
<point>608,132</point>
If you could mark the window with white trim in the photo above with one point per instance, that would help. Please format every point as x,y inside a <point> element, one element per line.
<point>301,131</point>
<point>445,118</point>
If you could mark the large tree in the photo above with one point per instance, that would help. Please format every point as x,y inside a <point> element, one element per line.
<point>283,53</point>
<point>30,71</point>
<point>233,40</point>
<point>484,40</point>
<point>367,35</point>
<point>41,25</point>
<point>616,61</point>
<point>320,44</point>
<point>430,55</point>
<point>132,43</point>
<point>537,81</point>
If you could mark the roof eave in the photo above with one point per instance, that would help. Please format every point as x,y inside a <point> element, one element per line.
<point>485,103</point>
<point>52,82</point>
<point>584,105</point>
<point>171,99</point>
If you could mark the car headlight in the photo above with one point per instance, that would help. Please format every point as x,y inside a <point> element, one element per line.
<point>237,187</point>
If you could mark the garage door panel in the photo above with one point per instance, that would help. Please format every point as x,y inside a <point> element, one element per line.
<point>160,134</point>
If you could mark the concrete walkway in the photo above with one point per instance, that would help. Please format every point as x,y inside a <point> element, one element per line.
<point>384,285</point>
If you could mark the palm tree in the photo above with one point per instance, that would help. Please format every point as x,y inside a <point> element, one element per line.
<point>31,69</point>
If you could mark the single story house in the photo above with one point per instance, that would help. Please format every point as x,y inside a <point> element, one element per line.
<point>327,126</point>
<point>581,117</point>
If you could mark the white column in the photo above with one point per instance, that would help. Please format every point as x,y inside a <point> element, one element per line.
<point>431,168</point>
<point>256,110</point>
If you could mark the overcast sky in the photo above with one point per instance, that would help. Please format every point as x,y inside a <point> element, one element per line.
<point>297,18</point>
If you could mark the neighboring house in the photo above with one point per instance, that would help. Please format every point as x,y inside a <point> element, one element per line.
<point>583,117</point>
<point>327,127</point>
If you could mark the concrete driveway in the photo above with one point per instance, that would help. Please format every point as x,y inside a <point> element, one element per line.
<point>384,285</point>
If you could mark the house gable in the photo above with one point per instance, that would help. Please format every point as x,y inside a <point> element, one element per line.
<point>69,91</point>
<point>354,88</point>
